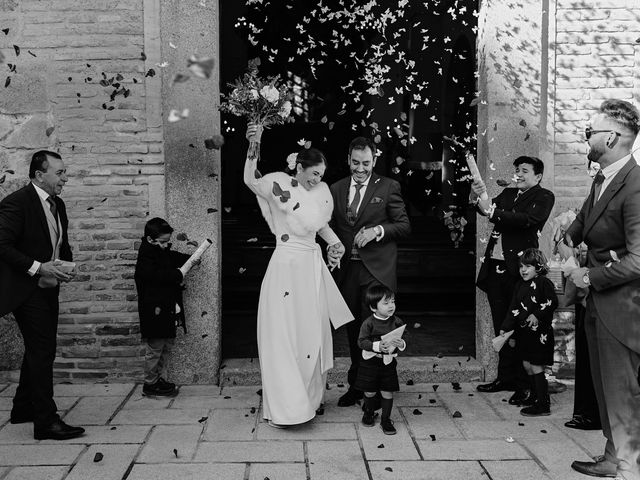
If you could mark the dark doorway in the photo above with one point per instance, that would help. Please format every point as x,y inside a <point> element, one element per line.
<point>436,269</point>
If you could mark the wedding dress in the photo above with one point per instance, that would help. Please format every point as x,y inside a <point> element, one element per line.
<point>298,297</point>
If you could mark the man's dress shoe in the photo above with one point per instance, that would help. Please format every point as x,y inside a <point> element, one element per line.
<point>350,398</point>
<point>495,386</point>
<point>602,468</point>
<point>583,423</point>
<point>58,430</point>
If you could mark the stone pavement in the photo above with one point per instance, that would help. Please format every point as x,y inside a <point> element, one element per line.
<point>210,432</point>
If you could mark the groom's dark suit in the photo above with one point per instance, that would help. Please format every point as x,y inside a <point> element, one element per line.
<point>612,321</point>
<point>381,205</point>
<point>25,237</point>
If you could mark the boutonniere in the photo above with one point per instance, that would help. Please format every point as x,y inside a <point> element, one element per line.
<point>376,200</point>
<point>377,180</point>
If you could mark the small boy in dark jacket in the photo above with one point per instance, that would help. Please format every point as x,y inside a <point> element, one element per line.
<point>159,283</point>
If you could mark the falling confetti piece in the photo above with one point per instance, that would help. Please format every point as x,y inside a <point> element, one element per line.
<point>31,53</point>
<point>252,240</point>
<point>388,469</point>
<point>435,387</point>
<point>242,270</point>
<point>510,439</point>
<point>284,237</point>
<point>417,412</point>
<point>17,49</point>
<point>5,31</point>
<point>381,445</point>
<point>456,386</point>
<point>456,414</point>
<point>98,457</point>
<point>286,293</point>
<point>203,419</point>
<point>175,452</point>
<point>7,82</point>
<point>180,78</point>
<point>296,206</point>
<point>409,382</point>
<point>176,115</point>
<point>49,131</point>
<point>150,73</point>
<point>201,66</point>
<point>417,325</point>
<point>214,143</point>
<point>543,431</point>
<point>521,424</point>
<point>212,210</point>
<point>432,400</point>
<point>113,428</point>
<point>433,437</point>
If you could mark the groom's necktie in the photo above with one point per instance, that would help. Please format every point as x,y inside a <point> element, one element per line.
<point>353,207</point>
<point>53,207</point>
<point>597,182</point>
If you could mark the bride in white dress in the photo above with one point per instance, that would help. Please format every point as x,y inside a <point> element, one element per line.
<point>298,297</point>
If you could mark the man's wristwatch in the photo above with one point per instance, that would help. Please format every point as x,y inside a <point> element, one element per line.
<point>585,278</point>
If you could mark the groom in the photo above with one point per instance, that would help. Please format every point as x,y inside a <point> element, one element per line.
<point>368,216</point>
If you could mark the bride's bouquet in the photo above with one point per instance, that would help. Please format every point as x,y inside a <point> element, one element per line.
<point>263,101</point>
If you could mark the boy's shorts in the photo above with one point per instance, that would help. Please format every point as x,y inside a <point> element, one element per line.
<point>375,376</point>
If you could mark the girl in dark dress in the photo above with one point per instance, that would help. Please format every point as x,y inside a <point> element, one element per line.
<point>531,315</point>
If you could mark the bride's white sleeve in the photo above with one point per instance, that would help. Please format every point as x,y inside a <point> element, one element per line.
<point>253,179</point>
<point>328,235</point>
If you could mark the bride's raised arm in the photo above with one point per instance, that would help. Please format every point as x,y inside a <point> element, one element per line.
<point>252,177</point>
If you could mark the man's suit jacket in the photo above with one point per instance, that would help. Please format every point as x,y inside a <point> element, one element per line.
<point>382,204</point>
<point>520,222</point>
<point>613,225</point>
<point>24,237</point>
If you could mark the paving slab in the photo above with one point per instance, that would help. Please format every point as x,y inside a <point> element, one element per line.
<point>9,390</point>
<point>520,469</point>
<point>525,427</point>
<point>431,421</point>
<point>22,434</point>
<point>231,424</point>
<point>188,471</point>
<point>93,410</point>
<point>92,390</point>
<point>471,450</point>
<point>277,471</point>
<point>113,465</point>
<point>140,402</point>
<point>6,403</point>
<point>202,390</point>
<point>65,403</point>
<point>159,417</point>
<point>593,441</point>
<point>208,402</point>
<point>164,439</point>
<point>335,414</point>
<point>254,451</point>
<point>36,473</point>
<point>308,431</point>
<point>426,470</point>
<point>469,407</point>
<point>378,446</point>
<point>43,454</point>
<point>336,460</point>
<point>243,395</point>
<point>557,455</point>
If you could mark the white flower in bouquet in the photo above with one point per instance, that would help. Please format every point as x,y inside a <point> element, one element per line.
<point>285,111</point>
<point>270,93</point>
<point>254,94</point>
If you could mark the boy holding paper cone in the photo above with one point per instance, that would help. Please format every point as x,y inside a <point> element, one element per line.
<point>159,283</point>
<point>380,335</point>
<point>518,215</point>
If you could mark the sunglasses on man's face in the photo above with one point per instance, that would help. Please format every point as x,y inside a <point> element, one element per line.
<point>590,131</point>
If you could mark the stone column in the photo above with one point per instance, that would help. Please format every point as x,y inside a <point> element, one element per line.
<point>514,115</point>
<point>192,188</point>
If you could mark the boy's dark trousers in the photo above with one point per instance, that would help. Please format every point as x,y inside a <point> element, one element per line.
<point>500,287</point>
<point>155,362</point>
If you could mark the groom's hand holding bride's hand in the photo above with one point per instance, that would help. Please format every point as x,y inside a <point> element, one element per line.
<point>334,254</point>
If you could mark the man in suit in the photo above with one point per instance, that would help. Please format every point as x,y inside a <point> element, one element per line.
<point>33,237</point>
<point>518,215</point>
<point>609,224</point>
<point>369,216</point>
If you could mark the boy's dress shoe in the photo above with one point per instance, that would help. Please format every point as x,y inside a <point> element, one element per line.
<point>495,386</point>
<point>522,398</point>
<point>350,398</point>
<point>601,468</point>
<point>58,430</point>
<point>581,422</point>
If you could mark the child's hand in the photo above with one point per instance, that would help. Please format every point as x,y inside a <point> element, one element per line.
<point>397,342</point>
<point>512,342</point>
<point>384,346</point>
<point>197,262</point>
<point>532,321</point>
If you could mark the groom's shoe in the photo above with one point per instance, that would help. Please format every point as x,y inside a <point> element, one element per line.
<point>601,468</point>
<point>350,398</point>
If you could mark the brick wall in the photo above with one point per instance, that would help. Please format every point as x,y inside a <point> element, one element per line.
<point>597,52</point>
<point>113,151</point>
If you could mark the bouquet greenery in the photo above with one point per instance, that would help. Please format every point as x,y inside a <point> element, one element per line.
<point>263,101</point>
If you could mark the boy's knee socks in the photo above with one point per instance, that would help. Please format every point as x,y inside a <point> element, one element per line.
<point>369,403</point>
<point>542,387</point>
<point>387,405</point>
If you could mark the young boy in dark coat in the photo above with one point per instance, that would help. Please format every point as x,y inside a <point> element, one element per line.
<point>159,283</point>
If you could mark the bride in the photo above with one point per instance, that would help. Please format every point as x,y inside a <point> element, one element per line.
<point>298,296</point>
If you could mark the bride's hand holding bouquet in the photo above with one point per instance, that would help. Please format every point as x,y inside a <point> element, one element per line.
<point>263,101</point>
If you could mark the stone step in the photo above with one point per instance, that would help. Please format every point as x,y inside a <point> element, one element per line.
<point>246,371</point>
